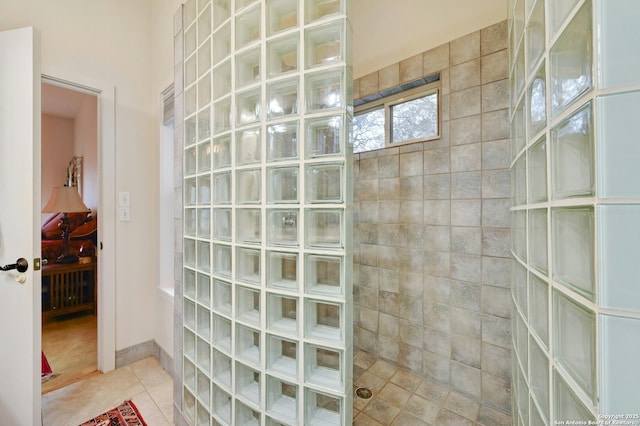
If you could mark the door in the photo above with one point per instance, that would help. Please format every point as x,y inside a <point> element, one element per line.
<point>20,303</point>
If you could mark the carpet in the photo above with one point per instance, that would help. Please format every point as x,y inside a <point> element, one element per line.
<point>125,414</point>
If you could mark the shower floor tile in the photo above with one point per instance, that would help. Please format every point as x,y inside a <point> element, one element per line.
<point>401,398</point>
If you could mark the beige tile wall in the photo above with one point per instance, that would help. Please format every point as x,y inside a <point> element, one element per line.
<point>432,262</point>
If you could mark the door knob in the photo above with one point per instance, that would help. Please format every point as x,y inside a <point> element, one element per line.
<point>21,265</point>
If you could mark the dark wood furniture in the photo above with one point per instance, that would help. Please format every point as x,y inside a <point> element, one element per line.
<point>68,288</point>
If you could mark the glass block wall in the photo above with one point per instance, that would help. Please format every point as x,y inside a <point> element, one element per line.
<point>575,99</point>
<point>267,305</point>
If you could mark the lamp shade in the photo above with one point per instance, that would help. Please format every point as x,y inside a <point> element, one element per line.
<point>64,199</point>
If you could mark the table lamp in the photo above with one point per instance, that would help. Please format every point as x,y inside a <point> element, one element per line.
<point>65,199</point>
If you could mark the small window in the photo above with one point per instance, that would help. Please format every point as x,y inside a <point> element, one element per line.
<point>406,117</point>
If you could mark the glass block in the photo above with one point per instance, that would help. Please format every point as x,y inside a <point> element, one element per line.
<point>190,42</point>
<point>619,375</point>
<point>204,255</point>
<point>282,141</point>
<point>248,383</point>
<point>324,367</point>
<point>281,15</point>
<point>204,58</point>
<point>570,61</point>
<point>574,341</point>
<point>248,266</point>
<point>282,400</point>
<point>249,226</point>
<point>190,251</point>
<point>204,351</point>
<point>190,161</point>
<point>204,190</point>
<point>283,227</point>
<point>222,224</point>
<point>221,12</point>
<point>248,67</point>
<point>519,74</point>
<point>189,372</point>
<point>522,345</point>
<point>519,139</point>
<point>537,103</point>
<point>282,270</point>
<point>221,405</point>
<point>323,320</point>
<point>203,417</point>
<point>248,27</point>
<point>617,61</point>
<point>221,292</point>
<point>221,369</point>
<point>617,155</point>
<point>248,106</point>
<point>325,90</point>
<point>519,287</point>
<point>282,55</point>
<point>222,152</point>
<point>190,225</point>
<point>204,24</point>
<point>222,80</point>
<point>240,4</point>
<point>204,290</point>
<point>536,416</point>
<point>248,305</point>
<point>573,249</point>
<point>535,35</point>
<point>190,131</point>
<point>248,146</point>
<point>283,98</point>
<point>537,162</point>
<point>190,71</point>
<point>282,314</point>
<point>282,356</point>
<point>189,288</point>
<point>203,320</point>
<point>248,345</point>
<point>188,404</point>
<point>222,115</point>
<point>325,44</point>
<point>539,307</point>
<point>222,260</point>
<point>572,155</point>
<point>222,43</point>
<point>568,406</point>
<point>324,136</point>
<point>246,416</point>
<point>191,100</point>
<point>204,157</point>
<point>221,333</point>
<point>324,274</point>
<point>190,197</point>
<point>539,376</point>
<point>324,183</point>
<point>523,398</point>
<point>189,314</point>
<point>317,9</point>
<point>538,239</point>
<point>324,228</point>
<point>559,12</point>
<point>282,186</point>
<point>248,186</point>
<point>617,249</point>
<point>518,20</point>
<point>322,409</point>
<point>189,343</point>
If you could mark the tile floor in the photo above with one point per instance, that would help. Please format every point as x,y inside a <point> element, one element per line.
<point>404,399</point>
<point>145,382</point>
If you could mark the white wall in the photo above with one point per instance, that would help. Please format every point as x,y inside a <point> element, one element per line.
<point>388,31</point>
<point>86,146</point>
<point>108,43</point>
<point>57,150</point>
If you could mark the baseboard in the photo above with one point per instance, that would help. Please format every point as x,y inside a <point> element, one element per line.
<point>143,350</point>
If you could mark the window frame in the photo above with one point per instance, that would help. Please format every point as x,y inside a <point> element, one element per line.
<point>388,102</point>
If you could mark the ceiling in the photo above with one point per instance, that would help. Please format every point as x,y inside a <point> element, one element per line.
<point>62,102</point>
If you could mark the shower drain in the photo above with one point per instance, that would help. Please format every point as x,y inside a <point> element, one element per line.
<point>363,393</point>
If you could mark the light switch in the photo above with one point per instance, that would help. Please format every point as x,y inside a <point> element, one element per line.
<point>124,214</point>
<point>124,199</point>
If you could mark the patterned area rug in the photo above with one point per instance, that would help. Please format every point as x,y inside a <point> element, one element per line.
<point>125,414</point>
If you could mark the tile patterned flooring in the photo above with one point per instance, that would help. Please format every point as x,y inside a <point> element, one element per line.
<point>401,398</point>
<point>145,382</point>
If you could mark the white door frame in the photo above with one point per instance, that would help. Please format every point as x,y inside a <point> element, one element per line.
<point>106,214</point>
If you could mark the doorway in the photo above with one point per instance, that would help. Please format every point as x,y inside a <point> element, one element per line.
<point>69,290</point>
